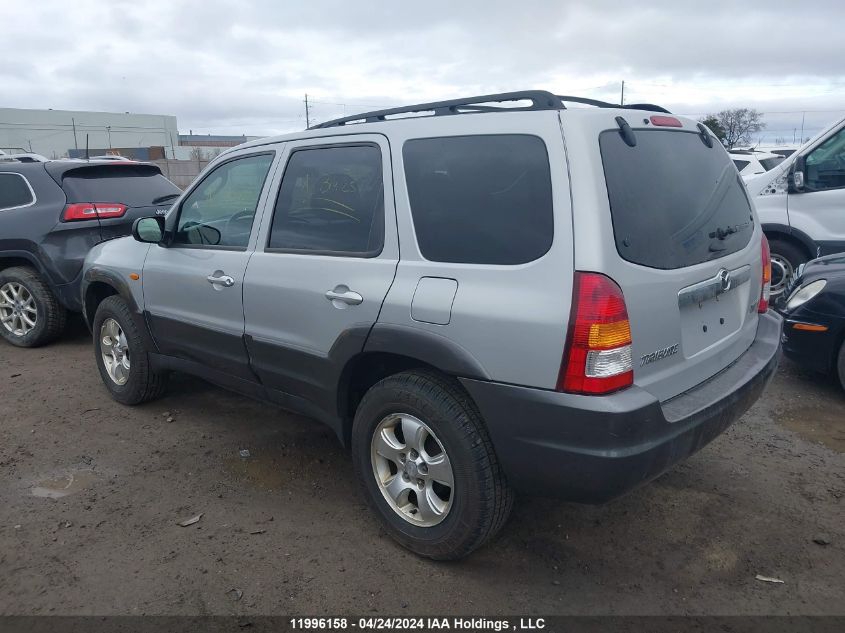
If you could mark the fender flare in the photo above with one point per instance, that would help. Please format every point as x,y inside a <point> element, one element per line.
<point>433,349</point>
<point>790,232</point>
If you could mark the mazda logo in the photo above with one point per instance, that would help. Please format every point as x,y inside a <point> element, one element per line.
<point>724,279</point>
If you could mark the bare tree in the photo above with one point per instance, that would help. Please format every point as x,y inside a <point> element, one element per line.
<point>737,125</point>
<point>197,154</point>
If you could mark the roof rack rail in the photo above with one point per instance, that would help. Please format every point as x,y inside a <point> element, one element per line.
<point>604,104</point>
<point>540,100</point>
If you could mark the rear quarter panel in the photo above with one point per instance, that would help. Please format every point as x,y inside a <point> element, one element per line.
<point>511,320</point>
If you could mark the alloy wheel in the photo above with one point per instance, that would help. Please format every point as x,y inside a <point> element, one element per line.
<point>18,312</point>
<point>412,469</point>
<point>115,351</point>
<point>782,272</point>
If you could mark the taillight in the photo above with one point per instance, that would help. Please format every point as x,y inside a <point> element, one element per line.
<point>766,278</point>
<point>93,210</point>
<point>597,359</point>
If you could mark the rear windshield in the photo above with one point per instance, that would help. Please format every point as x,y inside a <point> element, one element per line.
<point>132,185</point>
<point>674,201</point>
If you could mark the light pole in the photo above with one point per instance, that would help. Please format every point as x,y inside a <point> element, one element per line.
<point>108,129</point>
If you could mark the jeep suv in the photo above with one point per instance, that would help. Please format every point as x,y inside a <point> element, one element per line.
<point>478,296</point>
<point>51,214</point>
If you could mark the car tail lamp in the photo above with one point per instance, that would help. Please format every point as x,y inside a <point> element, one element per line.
<point>766,278</point>
<point>597,359</point>
<point>93,210</point>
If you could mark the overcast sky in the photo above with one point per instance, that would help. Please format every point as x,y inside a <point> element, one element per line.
<point>242,67</point>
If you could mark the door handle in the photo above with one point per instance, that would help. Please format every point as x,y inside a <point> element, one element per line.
<point>342,296</point>
<point>218,278</point>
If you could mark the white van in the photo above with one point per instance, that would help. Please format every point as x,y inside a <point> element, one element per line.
<point>801,204</point>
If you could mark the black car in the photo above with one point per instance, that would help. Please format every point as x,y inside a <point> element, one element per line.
<point>51,214</point>
<point>814,313</point>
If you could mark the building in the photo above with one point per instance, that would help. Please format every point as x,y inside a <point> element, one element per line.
<point>61,133</point>
<point>207,146</point>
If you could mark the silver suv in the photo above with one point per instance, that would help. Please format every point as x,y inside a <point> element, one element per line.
<point>479,296</point>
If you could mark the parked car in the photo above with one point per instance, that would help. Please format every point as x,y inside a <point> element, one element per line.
<point>781,150</point>
<point>801,204</point>
<point>51,214</point>
<point>473,306</point>
<point>752,162</point>
<point>814,315</point>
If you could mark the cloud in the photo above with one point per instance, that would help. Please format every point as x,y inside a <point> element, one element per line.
<point>244,67</point>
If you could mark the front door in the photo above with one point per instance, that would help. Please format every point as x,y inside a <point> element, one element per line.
<point>322,267</point>
<point>193,286</point>
<point>819,210</point>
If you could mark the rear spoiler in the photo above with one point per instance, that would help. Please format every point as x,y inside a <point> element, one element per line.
<point>59,170</point>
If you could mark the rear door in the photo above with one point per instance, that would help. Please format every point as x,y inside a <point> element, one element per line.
<point>677,232</point>
<point>193,287</point>
<point>322,267</point>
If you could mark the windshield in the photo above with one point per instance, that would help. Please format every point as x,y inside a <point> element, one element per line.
<point>771,163</point>
<point>674,201</point>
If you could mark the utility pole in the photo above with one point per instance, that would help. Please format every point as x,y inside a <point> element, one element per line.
<point>108,130</point>
<point>75,144</point>
<point>802,127</point>
<point>307,113</point>
<point>622,96</point>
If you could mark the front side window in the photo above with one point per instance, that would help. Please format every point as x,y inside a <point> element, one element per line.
<point>331,201</point>
<point>826,164</point>
<point>221,210</point>
<point>14,192</point>
<point>483,199</point>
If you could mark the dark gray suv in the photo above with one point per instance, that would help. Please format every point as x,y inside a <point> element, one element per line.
<point>51,214</point>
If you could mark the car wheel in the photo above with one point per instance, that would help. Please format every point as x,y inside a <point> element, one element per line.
<point>786,258</point>
<point>122,355</point>
<point>840,365</point>
<point>30,314</point>
<point>427,467</point>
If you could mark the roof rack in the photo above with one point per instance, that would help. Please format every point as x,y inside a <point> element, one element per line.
<point>540,100</point>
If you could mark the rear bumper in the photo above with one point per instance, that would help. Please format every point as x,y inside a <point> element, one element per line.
<point>592,449</point>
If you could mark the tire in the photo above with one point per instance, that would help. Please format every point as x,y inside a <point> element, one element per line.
<point>840,365</point>
<point>138,381</point>
<point>786,257</point>
<point>30,314</point>
<point>479,501</point>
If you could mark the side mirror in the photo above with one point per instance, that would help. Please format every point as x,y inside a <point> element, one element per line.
<point>796,180</point>
<point>149,230</point>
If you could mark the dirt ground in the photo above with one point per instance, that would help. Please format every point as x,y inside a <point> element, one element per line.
<point>92,492</point>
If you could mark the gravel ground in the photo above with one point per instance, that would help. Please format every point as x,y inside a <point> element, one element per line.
<point>92,493</point>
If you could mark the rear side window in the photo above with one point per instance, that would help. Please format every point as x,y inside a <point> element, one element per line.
<point>132,185</point>
<point>480,199</point>
<point>741,164</point>
<point>674,201</point>
<point>14,191</point>
<point>331,201</point>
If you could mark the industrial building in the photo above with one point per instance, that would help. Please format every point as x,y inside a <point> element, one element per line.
<point>68,133</point>
<point>61,133</point>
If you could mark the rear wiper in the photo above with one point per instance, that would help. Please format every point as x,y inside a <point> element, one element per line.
<point>164,198</point>
<point>721,233</point>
